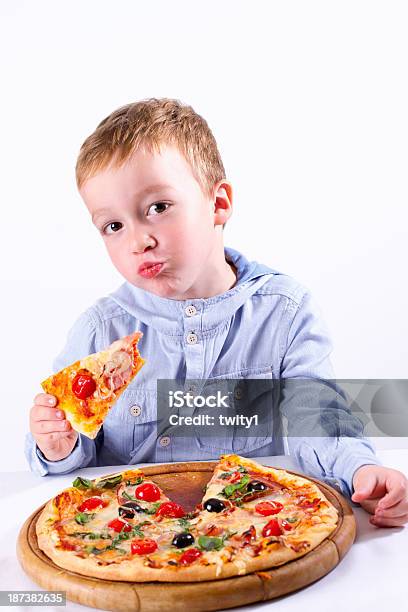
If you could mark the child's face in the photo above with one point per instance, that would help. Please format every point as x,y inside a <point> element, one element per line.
<point>152,210</point>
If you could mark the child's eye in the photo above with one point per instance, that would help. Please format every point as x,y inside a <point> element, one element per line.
<point>161,206</point>
<point>113,227</point>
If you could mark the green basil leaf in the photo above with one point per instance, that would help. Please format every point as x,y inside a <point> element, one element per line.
<point>183,522</point>
<point>100,536</point>
<point>136,531</point>
<point>94,550</point>
<point>153,508</point>
<point>129,497</point>
<point>231,488</point>
<point>244,481</point>
<point>99,551</point>
<point>82,483</point>
<point>91,535</point>
<point>138,480</point>
<point>109,483</point>
<point>228,490</point>
<point>208,543</point>
<point>123,535</point>
<point>82,534</point>
<point>83,517</point>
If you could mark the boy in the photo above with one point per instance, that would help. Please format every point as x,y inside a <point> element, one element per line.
<point>153,181</point>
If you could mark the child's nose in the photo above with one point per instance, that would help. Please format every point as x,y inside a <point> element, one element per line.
<point>142,243</point>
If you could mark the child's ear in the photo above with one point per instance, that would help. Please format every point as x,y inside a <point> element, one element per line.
<point>222,202</point>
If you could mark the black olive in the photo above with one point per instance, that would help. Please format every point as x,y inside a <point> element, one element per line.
<point>129,509</point>
<point>181,540</point>
<point>256,485</point>
<point>214,505</point>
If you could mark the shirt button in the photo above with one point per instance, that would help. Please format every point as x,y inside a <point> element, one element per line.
<point>192,338</point>
<point>238,393</point>
<point>135,411</point>
<point>190,310</point>
<point>164,441</point>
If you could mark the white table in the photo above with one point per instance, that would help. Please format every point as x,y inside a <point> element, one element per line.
<point>372,577</point>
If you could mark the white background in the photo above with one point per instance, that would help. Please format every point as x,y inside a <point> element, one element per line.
<point>308,103</point>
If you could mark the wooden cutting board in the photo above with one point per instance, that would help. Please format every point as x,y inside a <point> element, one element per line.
<point>183,483</point>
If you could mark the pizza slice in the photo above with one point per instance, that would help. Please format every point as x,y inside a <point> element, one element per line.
<point>109,519</point>
<point>87,389</point>
<point>261,505</point>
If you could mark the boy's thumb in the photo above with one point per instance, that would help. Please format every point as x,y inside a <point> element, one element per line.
<point>360,494</point>
<point>363,487</point>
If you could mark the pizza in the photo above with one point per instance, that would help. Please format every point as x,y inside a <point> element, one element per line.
<point>87,389</point>
<point>124,527</point>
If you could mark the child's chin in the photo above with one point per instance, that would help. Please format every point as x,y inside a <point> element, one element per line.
<point>157,288</point>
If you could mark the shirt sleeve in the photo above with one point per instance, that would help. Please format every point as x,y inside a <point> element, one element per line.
<point>81,341</point>
<point>306,370</point>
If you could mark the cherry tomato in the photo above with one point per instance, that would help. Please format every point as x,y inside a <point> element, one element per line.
<point>271,529</point>
<point>170,510</point>
<point>83,386</point>
<point>91,503</point>
<point>235,477</point>
<point>268,507</point>
<point>118,525</point>
<point>68,546</point>
<point>143,546</point>
<point>189,556</point>
<point>287,526</point>
<point>147,491</point>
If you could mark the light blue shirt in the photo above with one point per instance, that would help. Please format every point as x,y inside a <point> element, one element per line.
<point>266,326</point>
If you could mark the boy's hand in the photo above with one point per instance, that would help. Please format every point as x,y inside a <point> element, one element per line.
<point>383,492</point>
<point>53,434</point>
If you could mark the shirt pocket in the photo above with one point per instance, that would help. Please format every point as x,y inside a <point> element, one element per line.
<point>249,399</point>
<point>132,423</point>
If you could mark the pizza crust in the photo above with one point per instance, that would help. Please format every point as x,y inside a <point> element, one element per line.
<point>135,571</point>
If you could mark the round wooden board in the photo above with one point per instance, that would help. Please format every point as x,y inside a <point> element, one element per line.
<point>183,482</point>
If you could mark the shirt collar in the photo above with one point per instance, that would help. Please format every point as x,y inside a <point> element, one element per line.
<point>169,316</point>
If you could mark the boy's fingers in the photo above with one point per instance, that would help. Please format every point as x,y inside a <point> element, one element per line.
<point>46,440</point>
<point>396,511</point>
<point>49,427</point>
<point>53,436</point>
<point>369,505</point>
<point>398,521</point>
<point>45,399</point>
<point>42,413</point>
<point>397,486</point>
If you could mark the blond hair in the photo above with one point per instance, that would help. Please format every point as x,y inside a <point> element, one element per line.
<point>149,124</point>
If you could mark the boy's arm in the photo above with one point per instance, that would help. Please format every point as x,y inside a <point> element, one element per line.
<point>80,343</point>
<point>331,457</point>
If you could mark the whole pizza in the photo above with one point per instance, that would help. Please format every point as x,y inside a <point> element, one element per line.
<point>123,527</point>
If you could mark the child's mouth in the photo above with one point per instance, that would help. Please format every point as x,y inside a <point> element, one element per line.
<point>150,270</point>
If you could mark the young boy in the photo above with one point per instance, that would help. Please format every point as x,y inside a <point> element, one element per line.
<point>153,181</point>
